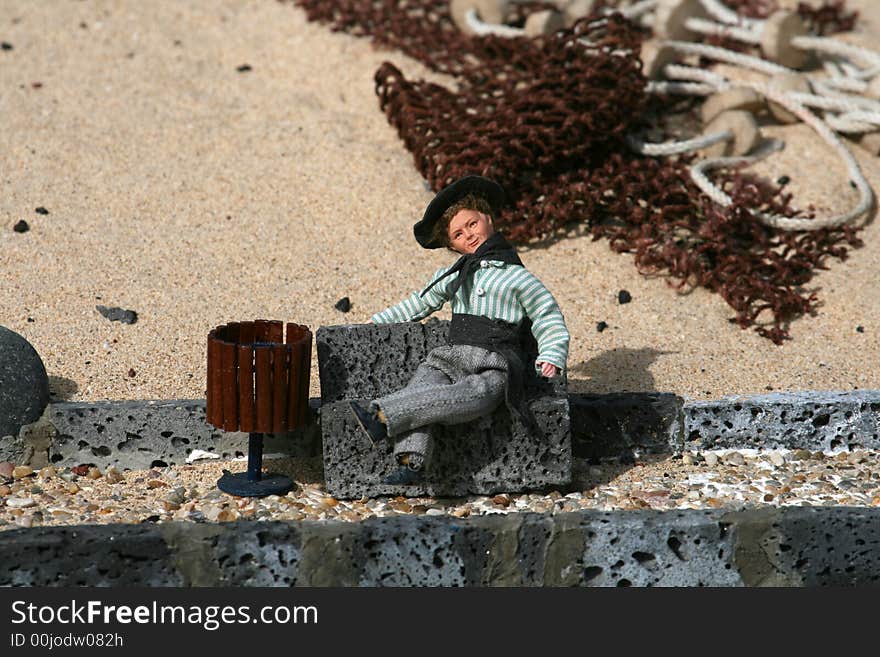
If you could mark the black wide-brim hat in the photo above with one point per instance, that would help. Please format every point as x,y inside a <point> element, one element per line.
<point>449,195</point>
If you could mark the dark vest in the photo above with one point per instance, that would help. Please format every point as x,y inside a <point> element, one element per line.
<point>514,342</point>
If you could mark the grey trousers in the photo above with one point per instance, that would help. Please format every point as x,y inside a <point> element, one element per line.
<point>455,384</point>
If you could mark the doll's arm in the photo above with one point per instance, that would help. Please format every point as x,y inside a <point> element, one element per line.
<point>415,307</point>
<point>548,324</point>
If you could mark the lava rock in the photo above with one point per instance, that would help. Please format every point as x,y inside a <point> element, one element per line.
<point>24,386</point>
<point>5,46</point>
<point>116,314</point>
<point>601,326</point>
<point>624,297</point>
<point>21,226</point>
<point>41,210</point>
<point>244,68</point>
<point>343,305</point>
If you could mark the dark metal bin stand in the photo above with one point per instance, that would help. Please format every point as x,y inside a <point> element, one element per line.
<point>258,382</point>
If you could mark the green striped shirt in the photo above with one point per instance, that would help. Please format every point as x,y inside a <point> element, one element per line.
<point>498,291</point>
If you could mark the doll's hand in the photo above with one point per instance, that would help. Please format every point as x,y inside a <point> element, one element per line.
<point>548,369</point>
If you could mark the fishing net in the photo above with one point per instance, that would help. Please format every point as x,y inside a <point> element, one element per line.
<point>547,118</point>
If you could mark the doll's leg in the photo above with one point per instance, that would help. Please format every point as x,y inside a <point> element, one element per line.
<point>419,442</point>
<point>425,377</point>
<point>373,420</point>
<point>465,400</point>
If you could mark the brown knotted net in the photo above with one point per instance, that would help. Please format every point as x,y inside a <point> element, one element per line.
<point>547,118</point>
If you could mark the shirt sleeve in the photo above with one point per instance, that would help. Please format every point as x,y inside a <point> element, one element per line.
<point>416,307</point>
<point>548,324</point>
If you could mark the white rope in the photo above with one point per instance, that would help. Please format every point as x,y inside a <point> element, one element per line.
<point>861,116</point>
<point>833,69</point>
<point>836,103</point>
<point>836,47</point>
<point>683,88</point>
<point>724,55</point>
<point>702,26</point>
<point>724,14</point>
<point>480,28</point>
<point>833,86</point>
<point>866,194</point>
<point>840,124</point>
<point>677,147</point>
<point>484,29</point>
<point>709,188</point>
<point>694,74</point>
<point>636,10</point>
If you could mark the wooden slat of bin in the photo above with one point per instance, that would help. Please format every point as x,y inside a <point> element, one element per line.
<point>228,333</point>
<point>246,410</point>
<point>280,371</point>
<point>263,383</point>
<point>304,372</point>
<point>213,407</point>
<point>228,385</point>
<point>293,401</point>
<point>276,332</point>
<point>246,333</point>
<point>261,330</point>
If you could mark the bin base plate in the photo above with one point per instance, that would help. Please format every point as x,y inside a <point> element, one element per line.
<point>269,484</point>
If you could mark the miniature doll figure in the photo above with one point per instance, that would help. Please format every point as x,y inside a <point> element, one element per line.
<point>497,308</point>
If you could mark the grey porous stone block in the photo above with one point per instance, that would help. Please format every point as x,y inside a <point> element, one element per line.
<point>807,546</point>
<point>784,546</point>
<point>793,420</point>
<point>617,424</point>
<point>145,434</point>
<point>638,548</point>
<point>491,455</point>
<point>371,360</point>
<point>24,386</point>
<point>115,555</point>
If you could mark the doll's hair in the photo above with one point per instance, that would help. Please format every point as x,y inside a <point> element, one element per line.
<point>467,202</point>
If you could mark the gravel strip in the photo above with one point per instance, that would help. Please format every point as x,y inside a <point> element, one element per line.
<point>712,479</point>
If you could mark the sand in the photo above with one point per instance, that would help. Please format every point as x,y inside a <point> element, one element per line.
<point>197,194</point>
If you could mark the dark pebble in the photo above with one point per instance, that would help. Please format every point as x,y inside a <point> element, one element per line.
<point>30,320</point>
<point>6,45</point>
<point>344,304</point>
<point>783,180</point>
<point>244,68</point>
<point>21,226</point>
<point>41,210</point>
<point>132,373</point>
<point>118,314</point>
<point>624,297</point>
<point>601,326</point>
<point>37,85</point>
<point>860,329</point>
<point>852,183</point>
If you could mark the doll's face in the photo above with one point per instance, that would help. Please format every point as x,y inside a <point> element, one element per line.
<point>468,229</point>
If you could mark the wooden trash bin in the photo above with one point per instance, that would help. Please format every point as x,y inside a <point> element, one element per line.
<point>258,382</point>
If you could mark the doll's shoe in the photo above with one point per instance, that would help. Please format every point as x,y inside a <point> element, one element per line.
<point>404,476</point>
<point>375,429</point>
